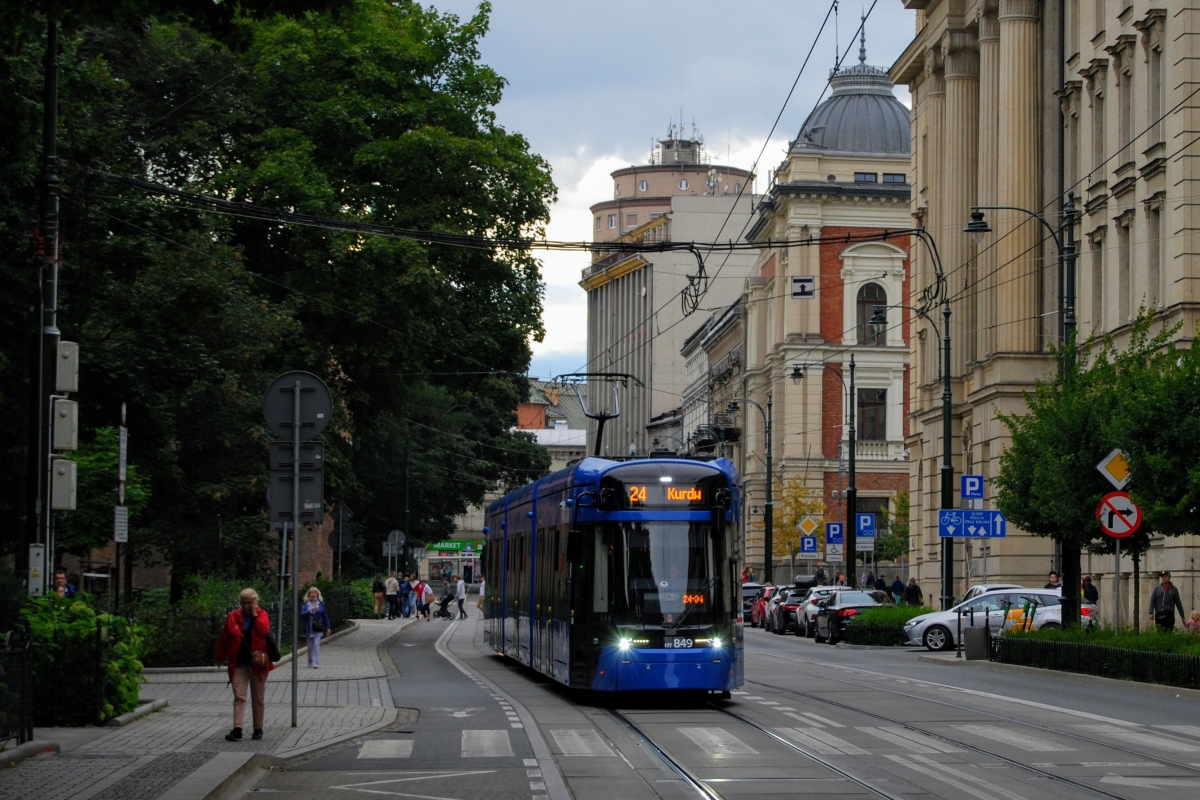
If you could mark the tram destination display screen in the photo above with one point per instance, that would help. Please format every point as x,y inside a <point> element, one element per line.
<point>665,495</point>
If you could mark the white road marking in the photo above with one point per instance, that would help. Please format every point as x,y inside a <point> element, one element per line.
<point>1155,741</point>
<point>785,708</point>
<point>825,744</point>
<point>362,788</point>
<point>531,762</point>
<point>740,693</point>
<point>581,743</point>
<point>752,697</point>
<point>976,787</point>
<point>911,740</point>
<point>718,742</point>
<point>486,744</point>
<point>1186,730</point>
<point>1030,744</point>
<point>1150,783</point>
<point>805,720</point>
<point>767,703</point>
<point>386,748</point>
<point>825,720</point>
<point>1120,764</point>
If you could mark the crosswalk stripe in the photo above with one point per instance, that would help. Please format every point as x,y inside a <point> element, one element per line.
<point>1155,741</point>
<point>805,720</point>
<point>825,720</point>
<point>967,784</point>
<point>581,743</point>
<point>718,742</point>
<point>486,744</point>
<point>825,744</point>
<point>386,748</point>
<point>911,740</point>
<point>1030,744</point>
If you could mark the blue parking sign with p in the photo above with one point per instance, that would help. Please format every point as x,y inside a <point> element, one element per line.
<point>972,487</point>
<point>808,544</point>
<point>834,533</point>
<point>865,527</point>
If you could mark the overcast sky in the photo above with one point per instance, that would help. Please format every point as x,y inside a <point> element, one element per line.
<point>590,84</point>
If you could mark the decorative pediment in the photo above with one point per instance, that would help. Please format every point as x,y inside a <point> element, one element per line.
<point>1095,75</point>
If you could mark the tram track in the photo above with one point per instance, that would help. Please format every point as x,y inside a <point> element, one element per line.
<point>1043,728</point>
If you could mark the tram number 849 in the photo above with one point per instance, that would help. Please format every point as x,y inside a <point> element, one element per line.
<point>678,642</point>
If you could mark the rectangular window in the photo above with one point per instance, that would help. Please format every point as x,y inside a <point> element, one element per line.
<point>597,223</point>
<point>1098,137</point>
<point>631,220</point>
<point>872,415</point>
<point>1098,14</point>
<point>612,222</point>
<point>1098,284</point>
<point>866,177</point>
<point>1156,93</point>
<point>1072,147</point>
<point>1154,277</point>
<point>1123,258</point>
<point>894,177</point>
<point>1072,29</point>
<point>1125,122</point>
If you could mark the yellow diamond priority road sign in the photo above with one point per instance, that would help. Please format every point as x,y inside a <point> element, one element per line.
<point>1115,467</point>
<point>808,525</point>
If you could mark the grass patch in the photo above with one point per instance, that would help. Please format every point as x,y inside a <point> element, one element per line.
<point>1151,641</point>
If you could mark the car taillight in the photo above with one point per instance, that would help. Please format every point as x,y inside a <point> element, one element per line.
<point>847,612</point>
<point>1087,612</point>
<point>790,608</point>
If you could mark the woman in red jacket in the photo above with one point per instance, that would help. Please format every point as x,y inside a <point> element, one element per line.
<point>243,643</point>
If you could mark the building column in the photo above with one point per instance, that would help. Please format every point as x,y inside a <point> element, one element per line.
<point>1019,153</point>
<point>959,182</point>
<point>989,120</point>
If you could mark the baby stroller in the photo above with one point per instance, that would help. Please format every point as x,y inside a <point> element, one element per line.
<point>443,607</point>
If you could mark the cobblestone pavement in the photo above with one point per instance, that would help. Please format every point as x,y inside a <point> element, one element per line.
<point>346,696</point>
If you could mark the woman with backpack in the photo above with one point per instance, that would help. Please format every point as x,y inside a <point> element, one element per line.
<point>244,644</point>
<point>314,621</point>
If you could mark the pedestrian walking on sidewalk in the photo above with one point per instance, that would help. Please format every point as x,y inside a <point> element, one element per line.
<point>314,621</point>
<point>243,643</point>
<point>391,591</point>
<point>377,588</point>
<point>460,594</point>
<point>912,594</point>
<point>898,590</point>
<point>479,602</point>
<point>1089,591</point>
<point>1163,602</point>
<point>405,596</point>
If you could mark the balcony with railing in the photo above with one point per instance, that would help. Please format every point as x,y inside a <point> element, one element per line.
<point>878,451</point>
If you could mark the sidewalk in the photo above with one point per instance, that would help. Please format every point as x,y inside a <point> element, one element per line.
<point>347,697</point>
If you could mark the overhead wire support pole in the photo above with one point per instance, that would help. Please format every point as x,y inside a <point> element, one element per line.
<point>768,504</point>
<point>296,423</point>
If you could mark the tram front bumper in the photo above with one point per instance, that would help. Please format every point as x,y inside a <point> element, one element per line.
<point>646,669</point>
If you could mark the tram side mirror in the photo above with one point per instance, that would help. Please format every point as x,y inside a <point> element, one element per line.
<point>724,498</point>
<point>608,499</point>
<point>575,547</point>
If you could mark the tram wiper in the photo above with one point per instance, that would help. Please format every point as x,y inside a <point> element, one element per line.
<point>708,587</point>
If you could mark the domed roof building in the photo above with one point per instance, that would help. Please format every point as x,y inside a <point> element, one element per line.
<point>824,267</point>
<point>860,116</point>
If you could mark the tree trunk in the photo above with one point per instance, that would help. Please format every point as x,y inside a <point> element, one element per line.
<point>1071,578</point>
<point>1137,592</point>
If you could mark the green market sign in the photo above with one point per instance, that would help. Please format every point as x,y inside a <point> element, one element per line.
<point>457,545</point>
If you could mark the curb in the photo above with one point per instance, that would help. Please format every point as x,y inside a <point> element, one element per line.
<point>1071,677</point>
<point>10,758</point>
<point>353,626</point>
<point>844,645</point>
<point>137,713</point>
<point>225,775</point>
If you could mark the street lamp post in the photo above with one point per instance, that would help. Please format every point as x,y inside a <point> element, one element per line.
<point>978,228</point>
<point>769,505</point>
<point>947,471</point>
<point>851,530</point>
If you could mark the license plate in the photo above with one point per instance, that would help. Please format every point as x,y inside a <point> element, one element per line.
<point>677,642</point>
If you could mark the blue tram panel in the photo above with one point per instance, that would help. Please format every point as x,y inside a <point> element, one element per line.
<point>620,576</point>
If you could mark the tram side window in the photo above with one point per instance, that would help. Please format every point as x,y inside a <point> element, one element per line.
<point>601,594</point>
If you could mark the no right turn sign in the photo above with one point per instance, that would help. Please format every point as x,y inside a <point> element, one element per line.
<point>1118,515</point>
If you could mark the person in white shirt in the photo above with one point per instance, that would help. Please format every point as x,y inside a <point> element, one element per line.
<point>482,584</point>
<point>460,595</point>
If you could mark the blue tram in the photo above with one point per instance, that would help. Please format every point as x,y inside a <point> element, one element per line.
<point>620,576</point>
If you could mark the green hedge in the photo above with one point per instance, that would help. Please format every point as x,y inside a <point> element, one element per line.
<point>882,626</point>
<point>1149,641</point>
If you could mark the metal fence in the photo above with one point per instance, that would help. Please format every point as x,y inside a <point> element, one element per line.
<point>174,640</point>
<point>71,677</point>
<point>16,691</point>
<point>1168,669</point>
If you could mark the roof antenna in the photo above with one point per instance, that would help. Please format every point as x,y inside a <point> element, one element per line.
<point>862,42</point>
<point>837,39</point>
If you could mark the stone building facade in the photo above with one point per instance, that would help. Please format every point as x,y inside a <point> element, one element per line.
<point>1017,103</point>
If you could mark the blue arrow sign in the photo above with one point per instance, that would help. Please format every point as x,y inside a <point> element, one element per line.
<point>865,527</point>
<point>956,524</point>
<point>834,532</point>
<point>972,487</point>
<point>808,544</point>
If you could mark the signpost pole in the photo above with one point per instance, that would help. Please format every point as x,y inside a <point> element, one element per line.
<point>283,560</point>
<point>295,549</point>
<point>1117,587</point>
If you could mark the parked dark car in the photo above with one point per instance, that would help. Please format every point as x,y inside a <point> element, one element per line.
<point>783,613</point>
<point>835,613</point>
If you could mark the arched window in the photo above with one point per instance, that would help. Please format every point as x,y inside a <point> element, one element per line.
<point>870,296</point>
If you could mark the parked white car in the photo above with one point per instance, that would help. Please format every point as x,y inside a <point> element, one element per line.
<point>984,588</point>
<point>806,615</point>
<point>999,610</point>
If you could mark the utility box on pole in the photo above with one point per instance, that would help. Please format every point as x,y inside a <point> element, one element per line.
<point>62,485</point>
<point>66,375</point>
<point>65,425</point>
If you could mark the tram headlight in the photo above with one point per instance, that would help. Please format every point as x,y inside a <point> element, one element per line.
<point>624,643</point>
<point>716,643</point>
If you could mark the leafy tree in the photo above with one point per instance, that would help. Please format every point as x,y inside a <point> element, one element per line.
<point>797,500</point>
<point>91,523</point>
<point>893,544</point>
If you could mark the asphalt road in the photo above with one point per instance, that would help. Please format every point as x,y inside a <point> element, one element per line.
<point>811,719</point>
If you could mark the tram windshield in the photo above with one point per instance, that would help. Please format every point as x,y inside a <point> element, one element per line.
<point>666,571</point>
